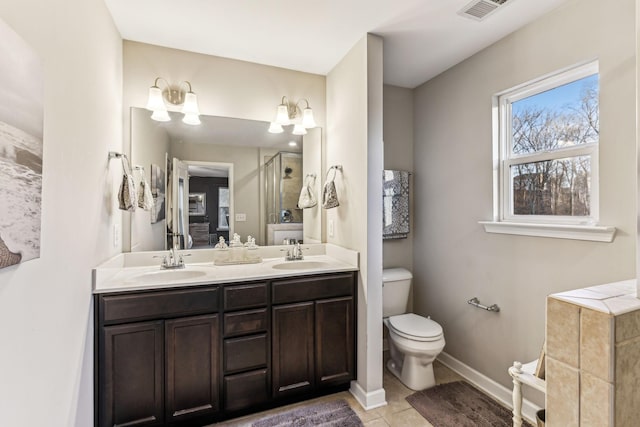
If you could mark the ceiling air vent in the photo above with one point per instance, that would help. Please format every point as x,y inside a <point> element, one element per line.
<point>480,9</point>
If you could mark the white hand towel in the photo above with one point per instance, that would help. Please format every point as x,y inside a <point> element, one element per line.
<point>307,197</point>
<point>145,198</point>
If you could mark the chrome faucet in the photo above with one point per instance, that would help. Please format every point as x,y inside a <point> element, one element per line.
<point>295,253</point>
<point>173,260</point>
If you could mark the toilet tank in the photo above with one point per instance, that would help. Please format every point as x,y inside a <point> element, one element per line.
<point>396,284</point>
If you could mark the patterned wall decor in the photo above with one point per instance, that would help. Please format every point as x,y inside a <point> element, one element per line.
<point>21,146</point>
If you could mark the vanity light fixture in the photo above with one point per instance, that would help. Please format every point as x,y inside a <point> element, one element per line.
<point>174,95</point>
<point>291,114</point>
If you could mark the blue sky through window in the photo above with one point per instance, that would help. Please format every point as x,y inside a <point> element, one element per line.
<point>559,98</point>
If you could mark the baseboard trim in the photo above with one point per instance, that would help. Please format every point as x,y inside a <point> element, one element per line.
<point>489,386</point>
<point>370,400</point>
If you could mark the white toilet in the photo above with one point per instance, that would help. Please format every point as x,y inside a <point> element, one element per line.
<point>414,341</point>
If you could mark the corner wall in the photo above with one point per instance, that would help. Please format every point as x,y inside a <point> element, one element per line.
<point>457,260</point>
<point>398,155</point>
<point>46,317</point>
<point>354,141</point>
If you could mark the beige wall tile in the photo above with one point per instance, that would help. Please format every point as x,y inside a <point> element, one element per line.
<point>596,344</point>
<point>596,401</point>
<point>627,374</point>
<point>563,331</point>
<point>563,386</point>
<point>628,326</point>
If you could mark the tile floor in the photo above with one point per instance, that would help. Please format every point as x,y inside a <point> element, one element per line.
<point>397,413</point>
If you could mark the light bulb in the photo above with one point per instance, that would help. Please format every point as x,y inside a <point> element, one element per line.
<point>155,101</point>
<point>275,128</point>
<point>307,118</point>
<point>298,129</point>
<point>161,116</point>
<point>282,117</point>
<point>191,119</point>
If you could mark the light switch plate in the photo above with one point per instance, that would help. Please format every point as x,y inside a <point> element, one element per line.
<point>240,217</point>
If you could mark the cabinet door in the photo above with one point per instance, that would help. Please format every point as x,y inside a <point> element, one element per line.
<point>130,369</point>
<point>334,341</point>
<point>293,360</point>
<point>192,385</point>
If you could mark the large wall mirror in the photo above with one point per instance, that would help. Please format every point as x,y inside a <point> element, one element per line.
<point>235,175</point>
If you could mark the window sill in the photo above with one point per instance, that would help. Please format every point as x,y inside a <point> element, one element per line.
<point>594,233</point>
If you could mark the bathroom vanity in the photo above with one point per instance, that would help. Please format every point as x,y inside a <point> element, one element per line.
<point>215,347</point>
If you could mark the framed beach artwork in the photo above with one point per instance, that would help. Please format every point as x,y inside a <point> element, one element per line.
<point>21,146</point>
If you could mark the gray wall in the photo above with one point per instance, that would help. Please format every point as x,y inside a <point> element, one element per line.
<point>454,259</point>
<point>398,155</point>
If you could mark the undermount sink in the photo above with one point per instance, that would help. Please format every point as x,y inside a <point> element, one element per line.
<point>165,276</point>
<point>300,265</point>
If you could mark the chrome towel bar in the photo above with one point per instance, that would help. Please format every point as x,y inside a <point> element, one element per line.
<point>476,302</point>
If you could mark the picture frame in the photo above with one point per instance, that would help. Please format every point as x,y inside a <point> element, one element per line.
<point>197,204</point>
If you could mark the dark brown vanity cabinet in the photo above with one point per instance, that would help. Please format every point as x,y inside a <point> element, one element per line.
<point>162,371</point>
<point>313,333</point>
<point>192,356</point>
<point>246,346</point>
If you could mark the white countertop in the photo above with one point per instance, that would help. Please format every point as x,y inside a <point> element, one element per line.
<point>141,270</point>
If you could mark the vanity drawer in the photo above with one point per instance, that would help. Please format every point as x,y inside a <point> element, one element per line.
<point>133,307</point>
<point>245,322</point>
<point>245,296</point>
<point>312,288</point>
<point>245,390</point>
<point>245,353</point>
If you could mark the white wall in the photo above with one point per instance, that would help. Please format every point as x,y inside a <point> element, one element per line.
<point>354,140</point>
<point>46,356</point>
<point>456,259</point>
<point>398,155</point>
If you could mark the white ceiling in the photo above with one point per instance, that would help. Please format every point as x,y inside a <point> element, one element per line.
<point>422,38</point>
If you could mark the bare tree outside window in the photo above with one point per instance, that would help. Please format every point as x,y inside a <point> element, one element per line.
<point>549,173</point>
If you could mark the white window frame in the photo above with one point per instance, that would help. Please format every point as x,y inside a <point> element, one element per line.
<point>504,221</point>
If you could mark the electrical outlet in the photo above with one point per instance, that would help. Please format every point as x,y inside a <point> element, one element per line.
<point>240,217</point>
<point>116,235</point>
<point>330,228</point>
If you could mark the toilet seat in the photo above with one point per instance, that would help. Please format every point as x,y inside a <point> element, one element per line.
<point>416,328</point>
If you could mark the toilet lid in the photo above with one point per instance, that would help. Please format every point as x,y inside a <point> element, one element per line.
<point>415,327</point>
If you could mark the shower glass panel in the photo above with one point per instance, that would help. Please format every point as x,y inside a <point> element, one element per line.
<point>283,178</point>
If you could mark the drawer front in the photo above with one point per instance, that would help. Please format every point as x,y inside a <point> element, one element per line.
<point>245,353</point>
<point>245,322</point>
<point>312,288</point>
<point>245,296</point>
<point>134,307</point>
<point>245,390</point>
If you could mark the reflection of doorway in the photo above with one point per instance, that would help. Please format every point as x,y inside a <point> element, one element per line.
<point>215,181</point>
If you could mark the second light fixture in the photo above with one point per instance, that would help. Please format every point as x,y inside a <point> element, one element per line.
<point>291,114</point>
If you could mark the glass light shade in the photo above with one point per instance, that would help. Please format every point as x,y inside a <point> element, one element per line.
<point>191,119</point>
<point>282,117</point>
<point>307,118</point>
<point>155,101</point>
<point>161,116</point>
<point>298,129</point>
<point>275,128</point>
<point>190,105</point>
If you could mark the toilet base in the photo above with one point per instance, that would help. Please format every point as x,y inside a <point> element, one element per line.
<point>408,375</point>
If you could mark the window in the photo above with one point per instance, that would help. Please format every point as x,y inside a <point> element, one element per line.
<point>547,150</point>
